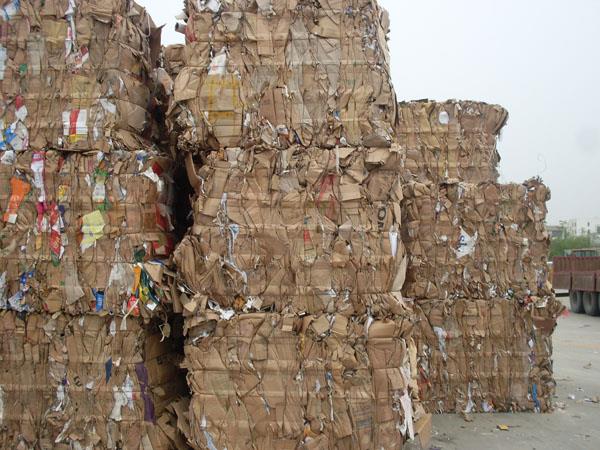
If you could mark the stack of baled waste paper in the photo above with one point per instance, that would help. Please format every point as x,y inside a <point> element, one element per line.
<point>297,335</point>
<point>247,242</point>
<point>86,361</point>
<point>478,264</point>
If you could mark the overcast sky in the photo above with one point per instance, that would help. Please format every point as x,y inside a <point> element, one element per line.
<point>537,58</point>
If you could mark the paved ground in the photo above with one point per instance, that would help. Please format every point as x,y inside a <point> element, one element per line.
<point>576,427</point>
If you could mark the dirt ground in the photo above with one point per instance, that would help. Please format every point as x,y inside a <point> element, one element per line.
<point>575,425</point>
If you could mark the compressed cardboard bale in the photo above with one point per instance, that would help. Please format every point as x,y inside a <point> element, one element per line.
<point>84,382</point>
<point>75,75</point>
<point>477,241</point>
<point>317,382</point>
<point>451,141</point>
<point>284,73</point>
<point>85,232</point>
<point>85,229</point>
<point>487,355</point>
<point>477,264</point>
<point>300,230</point>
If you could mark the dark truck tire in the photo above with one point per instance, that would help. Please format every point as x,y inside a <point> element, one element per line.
<point>576,298</point>
<point>590,303</point>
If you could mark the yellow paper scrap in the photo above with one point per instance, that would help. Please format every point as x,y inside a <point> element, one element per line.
<point>92,229</point>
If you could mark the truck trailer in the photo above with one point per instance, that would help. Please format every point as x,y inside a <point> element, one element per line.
<point>580,275</point>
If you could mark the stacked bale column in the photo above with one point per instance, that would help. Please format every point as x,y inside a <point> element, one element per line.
<point>85,227</point>
<point>297,333</point>
<point>478,264</point>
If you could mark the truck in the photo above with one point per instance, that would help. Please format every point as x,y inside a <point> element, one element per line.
<point>579,274</point>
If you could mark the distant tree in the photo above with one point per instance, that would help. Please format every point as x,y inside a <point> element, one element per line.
<point>559,246</point>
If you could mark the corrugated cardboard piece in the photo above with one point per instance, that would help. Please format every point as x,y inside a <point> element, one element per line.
<point>173,56</point>
<point>285,73</point>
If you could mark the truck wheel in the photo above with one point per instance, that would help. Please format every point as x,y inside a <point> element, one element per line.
<point>576,298</point>
<point>590,304</point>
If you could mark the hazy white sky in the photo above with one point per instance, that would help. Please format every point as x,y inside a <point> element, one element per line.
<point>537,58</point>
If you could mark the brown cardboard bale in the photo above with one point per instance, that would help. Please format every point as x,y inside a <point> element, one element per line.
<point>273,381</point>
<point>477,264</point>
<point>478,241</point>
<point>310,235</point>
<point>300,230</point>
<point>89,382</point>
<point>315,74</point>
<point>451,141</point>
<point>85,229</point>
<point>78,230</point>
<point>75,76</point>
<point>486,355</point>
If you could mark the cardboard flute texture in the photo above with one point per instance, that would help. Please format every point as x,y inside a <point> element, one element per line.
<point>85,382</point>
<point>451,141</point>
<point>266,380</point>
<point>288,72</point>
